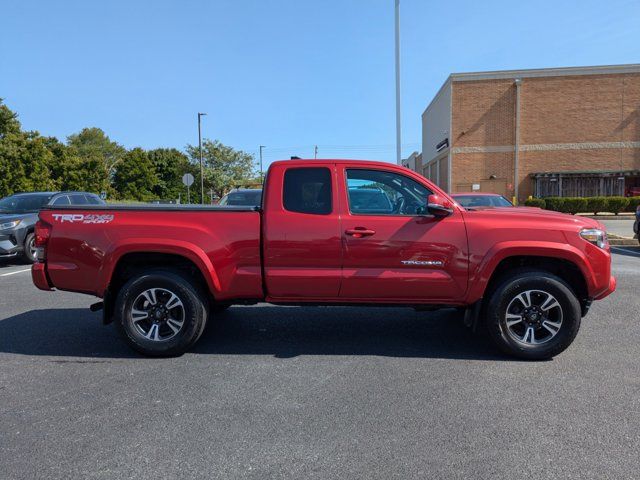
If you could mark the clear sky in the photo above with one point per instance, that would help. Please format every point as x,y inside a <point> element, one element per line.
<point>288,74</point>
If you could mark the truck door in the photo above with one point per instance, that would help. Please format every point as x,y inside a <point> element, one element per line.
<point>392,250</point>
<point>302,244</point>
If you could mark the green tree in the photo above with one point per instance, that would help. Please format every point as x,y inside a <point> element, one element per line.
<point>225,167</point>
<point>73,172</point>
<point>170,165</point>
<point>9,122</point>
<point>24,157</point>
<point>135,177</point>
<point>93,143</point>
<point>24,163</point>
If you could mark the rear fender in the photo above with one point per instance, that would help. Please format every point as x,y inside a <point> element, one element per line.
<point>157,245</point>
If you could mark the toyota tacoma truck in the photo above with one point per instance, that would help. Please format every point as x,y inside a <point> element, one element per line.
<point>330,232</point>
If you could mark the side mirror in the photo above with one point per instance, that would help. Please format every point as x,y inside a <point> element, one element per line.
<point>438,206</point>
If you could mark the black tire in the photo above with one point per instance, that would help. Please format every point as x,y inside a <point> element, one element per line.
<point>28,253</point>
<point>538,283</point>
<point>193,311</point>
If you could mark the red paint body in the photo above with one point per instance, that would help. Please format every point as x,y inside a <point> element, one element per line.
<point>286,257</point>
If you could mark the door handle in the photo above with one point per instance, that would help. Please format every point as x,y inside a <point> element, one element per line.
<point>360,232</point>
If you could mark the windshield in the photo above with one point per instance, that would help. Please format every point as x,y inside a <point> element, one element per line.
<point>23,203</point>
<point>470,201</point>
<point>246,199</point>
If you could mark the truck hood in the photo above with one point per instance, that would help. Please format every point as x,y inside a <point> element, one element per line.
<point>539,215</point>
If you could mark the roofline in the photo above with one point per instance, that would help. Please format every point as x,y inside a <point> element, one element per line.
<point>441,90</point>
<point>304,161</point>
<point>533,73</point>
<point>547,72</point>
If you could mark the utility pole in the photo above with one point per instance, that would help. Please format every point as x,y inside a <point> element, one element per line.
<point>261,172</point>
<point>398,136</point>
<point>315,152</point>
<point>201,165</point>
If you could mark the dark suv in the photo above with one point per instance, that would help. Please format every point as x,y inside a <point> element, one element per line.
<point>19,214</point>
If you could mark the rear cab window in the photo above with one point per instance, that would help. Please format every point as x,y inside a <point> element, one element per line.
<point>308,190</point>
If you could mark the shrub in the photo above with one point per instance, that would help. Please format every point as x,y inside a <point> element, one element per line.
<point>554,203</point>
<point>574,205</point>
<point>597,204</point>
<point>535,202</point>
<point>633,204</point>
<point>618,204</point>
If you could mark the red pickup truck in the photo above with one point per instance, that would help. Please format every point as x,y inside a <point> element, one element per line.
<point>330,232</point>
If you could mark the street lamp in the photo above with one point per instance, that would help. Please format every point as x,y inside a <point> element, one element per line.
<point>398,136</point>
<point>201,166</point>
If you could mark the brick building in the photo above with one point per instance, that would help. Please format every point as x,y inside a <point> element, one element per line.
<point>547,132</point>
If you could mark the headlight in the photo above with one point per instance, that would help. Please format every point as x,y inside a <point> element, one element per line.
<point>14,224</point>
<point>596,236</point>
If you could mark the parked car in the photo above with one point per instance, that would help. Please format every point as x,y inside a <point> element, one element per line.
<point>476,199</point>
<point>526,276</point>
<point>243,197</point>
<point>19,213</point>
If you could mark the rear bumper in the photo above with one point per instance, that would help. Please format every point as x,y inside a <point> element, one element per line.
<point>39,277</point>
<point>609,290</point>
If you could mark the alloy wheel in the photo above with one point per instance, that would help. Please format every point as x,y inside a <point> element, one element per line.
<point>157,314</point>
<point>533,317</point>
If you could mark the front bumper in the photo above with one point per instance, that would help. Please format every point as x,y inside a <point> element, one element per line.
<point>612,288</point>
<point>39,277</point>
<point>9,246</point>
<point>12,241</point>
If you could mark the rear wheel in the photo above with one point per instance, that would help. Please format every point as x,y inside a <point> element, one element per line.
<point>30,254</point>
<point>532,315</point>
<point>160,313</point>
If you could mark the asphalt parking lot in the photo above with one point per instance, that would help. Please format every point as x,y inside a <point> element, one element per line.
<point>621,228</point>
<point>285,392</point>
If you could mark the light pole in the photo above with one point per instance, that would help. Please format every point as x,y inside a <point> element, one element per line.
<point>261,174</point>
<point>200,115</point>
<point>398,136</point>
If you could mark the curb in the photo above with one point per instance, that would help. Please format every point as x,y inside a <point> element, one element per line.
<point>623,242</point>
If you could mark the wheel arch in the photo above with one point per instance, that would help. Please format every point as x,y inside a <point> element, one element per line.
<point>564,261</point>
<point>564,269</point>
<point>132,262</point>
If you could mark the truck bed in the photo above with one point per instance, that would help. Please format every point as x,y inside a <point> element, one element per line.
<point>87,243</point>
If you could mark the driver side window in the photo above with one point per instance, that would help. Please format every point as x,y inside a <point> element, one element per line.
<point>378,192</point>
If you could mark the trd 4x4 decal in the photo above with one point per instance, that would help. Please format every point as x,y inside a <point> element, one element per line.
<point>81,218</point>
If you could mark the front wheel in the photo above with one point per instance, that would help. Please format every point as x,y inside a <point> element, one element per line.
<point>30,252</point>
<point>160,313</point>
<point>533,315</point>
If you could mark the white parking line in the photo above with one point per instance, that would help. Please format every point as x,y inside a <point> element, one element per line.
<point>13,273</point>
<point>626,250</point>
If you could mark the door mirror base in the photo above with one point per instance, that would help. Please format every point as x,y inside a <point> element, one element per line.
<point>438,206</point>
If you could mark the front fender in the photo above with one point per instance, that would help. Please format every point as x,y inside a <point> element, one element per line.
<point>185,249</point>
<point>480,277</point>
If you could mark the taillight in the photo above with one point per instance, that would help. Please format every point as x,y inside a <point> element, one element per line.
<point>42,234</point>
